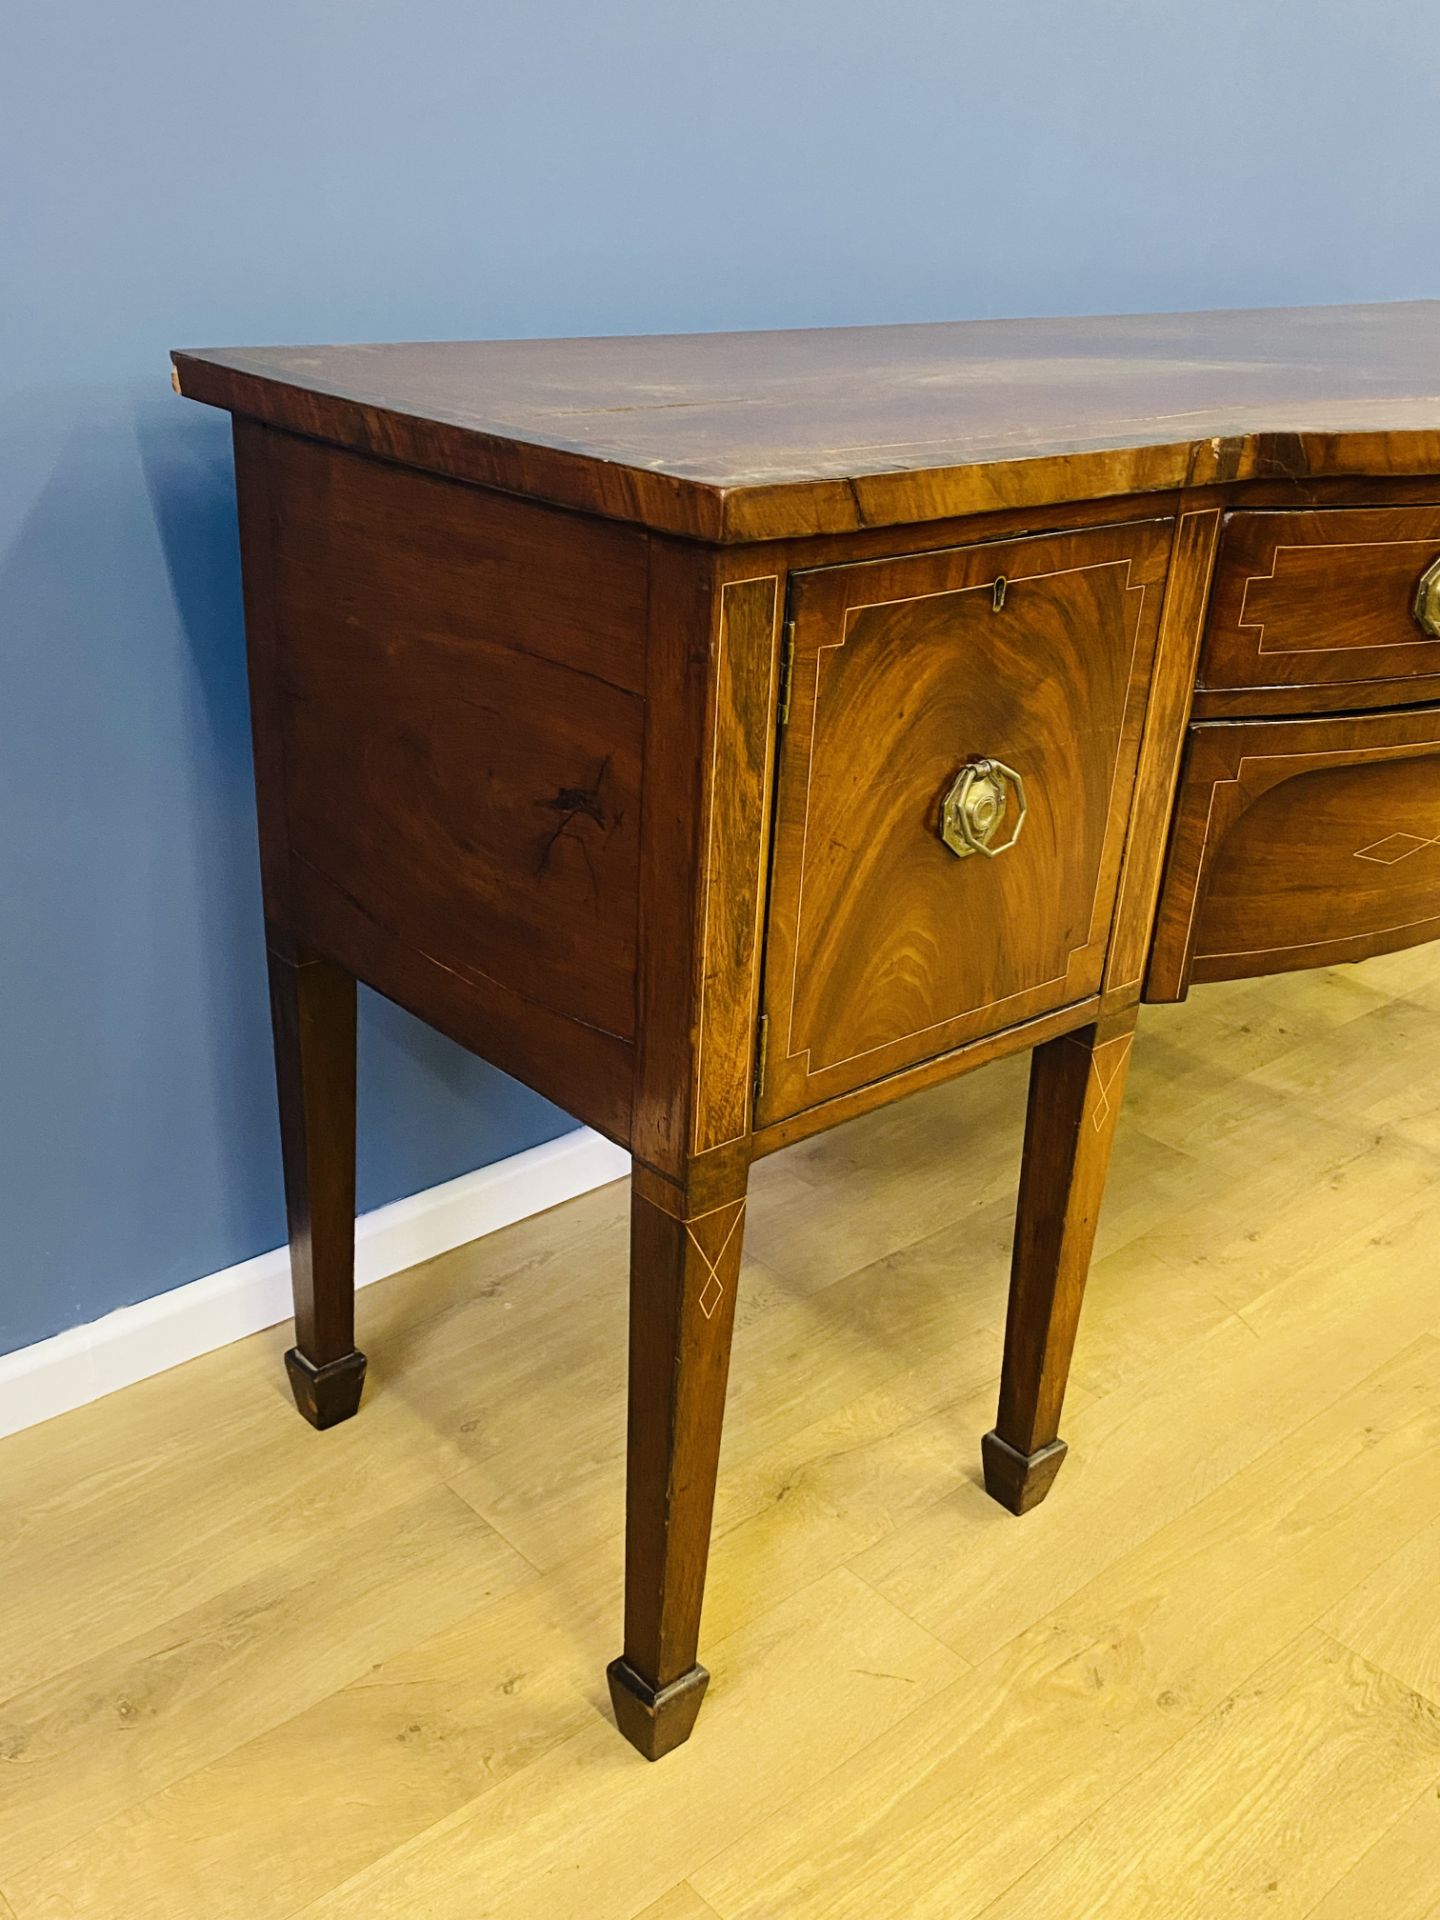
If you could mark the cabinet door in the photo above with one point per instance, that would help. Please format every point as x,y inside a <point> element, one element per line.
<point>1300,843</point>
<point>887,945</point>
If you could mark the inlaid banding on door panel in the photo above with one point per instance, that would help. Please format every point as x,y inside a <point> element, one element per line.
<point>995,1004</point>
<point>982,1005</point>
<point>884,948</point>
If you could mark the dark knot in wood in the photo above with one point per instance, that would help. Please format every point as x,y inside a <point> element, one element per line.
<point>574,804</point>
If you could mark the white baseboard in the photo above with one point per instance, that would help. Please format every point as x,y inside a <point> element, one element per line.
<point>84,1363</point>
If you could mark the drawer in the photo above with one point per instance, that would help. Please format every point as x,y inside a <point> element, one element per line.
<point>1300,843</point>
<point>1324,599</point>
<point>884,946</point>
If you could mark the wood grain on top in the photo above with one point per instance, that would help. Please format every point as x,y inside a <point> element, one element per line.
<point>744,436</point>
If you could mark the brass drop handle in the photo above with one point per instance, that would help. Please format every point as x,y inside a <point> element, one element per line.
<point>1427,601</point>
<point>984,795</point>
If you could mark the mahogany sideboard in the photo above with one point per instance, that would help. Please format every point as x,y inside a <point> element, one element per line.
<point>726,734</point>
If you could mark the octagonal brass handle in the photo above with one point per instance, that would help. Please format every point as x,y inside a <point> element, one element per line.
<point>985,795</point>
<point>1427,601</point>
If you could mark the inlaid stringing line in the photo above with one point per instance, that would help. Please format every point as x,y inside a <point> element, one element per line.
<point>767,789</point>
<point>828,646</point>
<point>1172,785</point>
<point>1126,560</point>
<point>754,580</point>
<point>1099,1109</point>
<point>1418,845</point>
<point>1312,946</point>
<point>1038,986</point>
<point>950,1020</point>
<point>1353,756</point>
<point>1257,627</point>
<point>713,1265</point>
<point>1103,1083</point>
<point>832,646</point>
<point>1115,768</point>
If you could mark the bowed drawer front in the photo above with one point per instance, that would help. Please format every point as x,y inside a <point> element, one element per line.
<point>953,793</point>
<point>1300,843</point>
<point>1333,597</point>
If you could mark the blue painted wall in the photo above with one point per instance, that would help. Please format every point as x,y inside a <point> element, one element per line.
<point>294,170</point>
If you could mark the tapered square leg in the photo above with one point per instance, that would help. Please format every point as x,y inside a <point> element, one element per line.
<point>1076,1084</point>
<point>684,1266</point>
<point>313,1009</point>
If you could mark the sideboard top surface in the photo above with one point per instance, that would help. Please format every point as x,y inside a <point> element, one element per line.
<point>746,436</point>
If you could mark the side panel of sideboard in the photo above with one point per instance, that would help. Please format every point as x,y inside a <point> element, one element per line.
<point>448,695</point>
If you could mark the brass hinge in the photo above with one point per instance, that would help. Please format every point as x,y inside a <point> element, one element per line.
<point>787,673</point>
<point>762,1044</point>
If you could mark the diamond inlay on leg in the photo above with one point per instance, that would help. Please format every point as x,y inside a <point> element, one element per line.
<point>713,1291</point>
<point>1106,1072</point>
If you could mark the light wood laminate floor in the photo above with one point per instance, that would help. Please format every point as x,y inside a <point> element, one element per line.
<point>250,1672</point>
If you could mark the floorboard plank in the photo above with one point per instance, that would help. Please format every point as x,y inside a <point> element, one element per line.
<point>1398,1877</point>
<point>1279,1791</point>
<point>588,1830</point>
<point>1391,1617</point>
<point>1156,1446</point>
<point>136,1718</point>
<point>931,1819</point>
